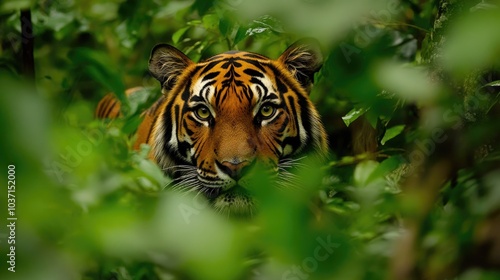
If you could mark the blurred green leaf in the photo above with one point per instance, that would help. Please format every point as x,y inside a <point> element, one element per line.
<point>179,33</point>
<point>363,171</point>
<point>408,82</point>
<point>15,5</point>
<point>373,118</point>
<point>391,133</point>
<point>241,34</point>
<point>59,20</point>
<point>210,21</point>
<point>473,42</point>
<point>384,168</point>
<point>225,26</point>
<point>353,115</point>
<point>493,84</point>
<point>96,65</point>
<point>202,6</point>
<point>405,62</point>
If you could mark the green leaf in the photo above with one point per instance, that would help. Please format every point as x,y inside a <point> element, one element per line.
<point>150,169</point>
<point>240,35</point>
<point>256,30</point>
<point>363,171</point>
<point>178,34</point>
<point>385,167</point>
<point>391,133</point>
<point>202,6</point>
<point>270,23</point>
<point>353,115</point>
<point>493,84</point>
<point>131,124</point>
<point>225,26</point>
<point>140,100</point>
<point>210,21</point>
<point>372,117</point>
<point>408,82</point>
<point>483,6</point>
<point>264,24</point>
<point>14,5</point>
<point>97,66</point>
<point>476,33</point>
<point>57,20</point>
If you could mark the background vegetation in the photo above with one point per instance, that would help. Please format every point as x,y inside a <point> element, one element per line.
<point>408,93</point>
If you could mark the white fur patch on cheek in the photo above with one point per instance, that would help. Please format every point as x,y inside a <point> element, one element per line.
<point>173,139</point>
<point>191,152</point>
<point>157,146</point>
<point>302,130</point>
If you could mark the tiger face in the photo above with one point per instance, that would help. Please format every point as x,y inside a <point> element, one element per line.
<point>223,115</point>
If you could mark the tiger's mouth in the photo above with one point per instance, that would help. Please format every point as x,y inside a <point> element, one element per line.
<point>231,197</point>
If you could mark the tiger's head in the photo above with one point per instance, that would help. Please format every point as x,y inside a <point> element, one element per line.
<point>222,115</point>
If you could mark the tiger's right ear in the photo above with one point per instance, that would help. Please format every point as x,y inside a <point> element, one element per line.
<point>167,63</point>
<point>303,58</point>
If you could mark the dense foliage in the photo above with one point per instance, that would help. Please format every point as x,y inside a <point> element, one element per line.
<point>408,93</point>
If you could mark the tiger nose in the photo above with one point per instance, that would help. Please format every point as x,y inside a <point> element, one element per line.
<point>235,168</point>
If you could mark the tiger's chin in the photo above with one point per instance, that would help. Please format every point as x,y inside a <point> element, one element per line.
<point>235,202</point>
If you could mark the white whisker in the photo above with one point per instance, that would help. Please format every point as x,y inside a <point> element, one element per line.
<point>286,179</point>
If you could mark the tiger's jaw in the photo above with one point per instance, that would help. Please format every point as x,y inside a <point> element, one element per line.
<point>230,197</point>
<point>235,198</point>
<point>235,201</point>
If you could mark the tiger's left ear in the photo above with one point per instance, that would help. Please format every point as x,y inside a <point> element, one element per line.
<point>167,63</point>
<point>303,58</point>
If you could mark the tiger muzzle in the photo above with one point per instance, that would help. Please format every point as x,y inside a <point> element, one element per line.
<point>235,168</point>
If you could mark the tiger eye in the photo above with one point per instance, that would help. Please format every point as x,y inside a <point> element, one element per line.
<point>266,111</point>
<point>202,112</point>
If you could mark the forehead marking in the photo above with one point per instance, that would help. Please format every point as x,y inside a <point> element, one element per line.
<point>229,79</point>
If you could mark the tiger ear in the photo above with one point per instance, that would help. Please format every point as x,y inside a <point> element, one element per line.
<point>303,58</point>
<point>167,63</point>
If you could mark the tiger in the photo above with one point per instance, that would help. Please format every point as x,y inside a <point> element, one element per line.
<point>216,118</point>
